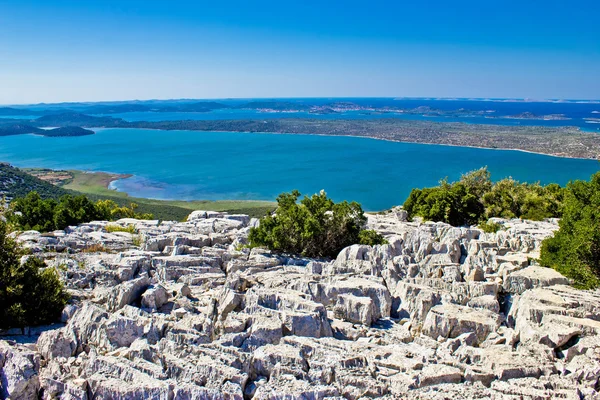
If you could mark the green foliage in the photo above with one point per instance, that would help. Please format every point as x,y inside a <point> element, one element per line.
<point>490,227</point>
<point>511,199</point>
<point>315,227</point>
<point>112,211</point>
<point>574,250</point>
<point>118,228</point>
<point>73,210</point>
<point>474,199</point>
<point>33,212</point>
<point>30,293</point>
<point>370,238</point>
<point>455,203</point>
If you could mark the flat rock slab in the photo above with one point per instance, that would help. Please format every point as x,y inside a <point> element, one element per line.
<point>451,320</point>
<point>532,277</point>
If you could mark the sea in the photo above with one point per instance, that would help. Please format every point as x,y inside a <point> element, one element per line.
<point>190,165</point>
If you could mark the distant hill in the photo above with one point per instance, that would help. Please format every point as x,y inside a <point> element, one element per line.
<point>200,106</point>
<point>14,111</point>
<point>76,119</point>
<point>24,129</point>
<point>67,131</point>
<point>17,183</point>
<point>18,129</point>
<point>274,105</point>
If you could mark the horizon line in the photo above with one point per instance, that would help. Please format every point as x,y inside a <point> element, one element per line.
<point>430,98</point>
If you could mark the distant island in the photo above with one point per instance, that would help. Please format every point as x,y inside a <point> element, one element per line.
<point>266,106</point>
<point>23,129</point>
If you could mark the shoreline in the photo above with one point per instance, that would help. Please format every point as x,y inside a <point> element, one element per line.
<point>367,137</point>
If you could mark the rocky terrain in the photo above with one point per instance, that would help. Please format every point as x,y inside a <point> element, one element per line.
<point>185,311</point>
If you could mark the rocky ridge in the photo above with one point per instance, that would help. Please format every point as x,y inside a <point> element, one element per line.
<point>182,310</point>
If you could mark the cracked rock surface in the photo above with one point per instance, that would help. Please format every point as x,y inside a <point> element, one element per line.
<point>182,310</point>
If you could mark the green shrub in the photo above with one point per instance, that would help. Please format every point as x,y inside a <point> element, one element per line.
<point>510,199</point>
<point>370,238</point>
<point>574,250</point>
<point>111,211</point>
<point>490,227</point>
<point>474,199</point>
<point>315,227</point>
<point>457,203</point>
<point>33,212</point>
<point>30,294</point>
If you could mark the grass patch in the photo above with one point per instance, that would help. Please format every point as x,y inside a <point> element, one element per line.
<point>118,228</point>
<point>95,248</point>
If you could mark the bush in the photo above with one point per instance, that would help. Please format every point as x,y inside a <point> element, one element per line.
<point>574,250</point>
<point>474,199</point>
<point>370,238</point>
<point>315,227</point>
<point>33,212</point>
<point>490,227</point>
<point>510,199</point>
<point>30,294</point>
<point>112,211</point>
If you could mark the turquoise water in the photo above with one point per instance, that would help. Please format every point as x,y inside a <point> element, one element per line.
<point>217,165</point>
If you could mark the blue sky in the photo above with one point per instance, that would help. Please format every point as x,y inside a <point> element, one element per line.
<point>52,51</point>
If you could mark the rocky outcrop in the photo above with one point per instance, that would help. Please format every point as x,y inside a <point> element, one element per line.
<point>182,310</point>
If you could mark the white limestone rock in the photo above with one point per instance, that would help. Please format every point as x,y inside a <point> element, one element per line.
<point>451,320</point>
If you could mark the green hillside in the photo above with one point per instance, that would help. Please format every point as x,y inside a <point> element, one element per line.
<point>15,182</point>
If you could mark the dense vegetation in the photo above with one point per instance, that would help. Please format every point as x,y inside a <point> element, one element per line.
<point>30,293</point>
<point>474,199</point>
<point>17,183</point>
<point>574,251</point>
<point>34,212</point>
<point>313,227</point>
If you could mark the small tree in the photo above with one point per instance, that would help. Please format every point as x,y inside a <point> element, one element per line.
<point>73,210</point>
<point>315,227</point>
<point>33,212</point>
<point>574,250</point>
<point>452,203</point>
<point>30,294</point>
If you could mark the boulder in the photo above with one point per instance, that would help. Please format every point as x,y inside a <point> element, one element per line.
<point>451,320</point>
<point>126,293</point>
<point>19,372</point>
<point>354,309</point>
<point>155,297</point>
<point>532,277</point>
<point>57,343</point>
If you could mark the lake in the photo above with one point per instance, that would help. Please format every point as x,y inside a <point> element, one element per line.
<point>218,165</point>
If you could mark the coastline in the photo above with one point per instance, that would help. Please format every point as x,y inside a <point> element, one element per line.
<point>372,138</point>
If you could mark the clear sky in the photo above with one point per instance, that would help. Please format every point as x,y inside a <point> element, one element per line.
<point>88,50</point>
